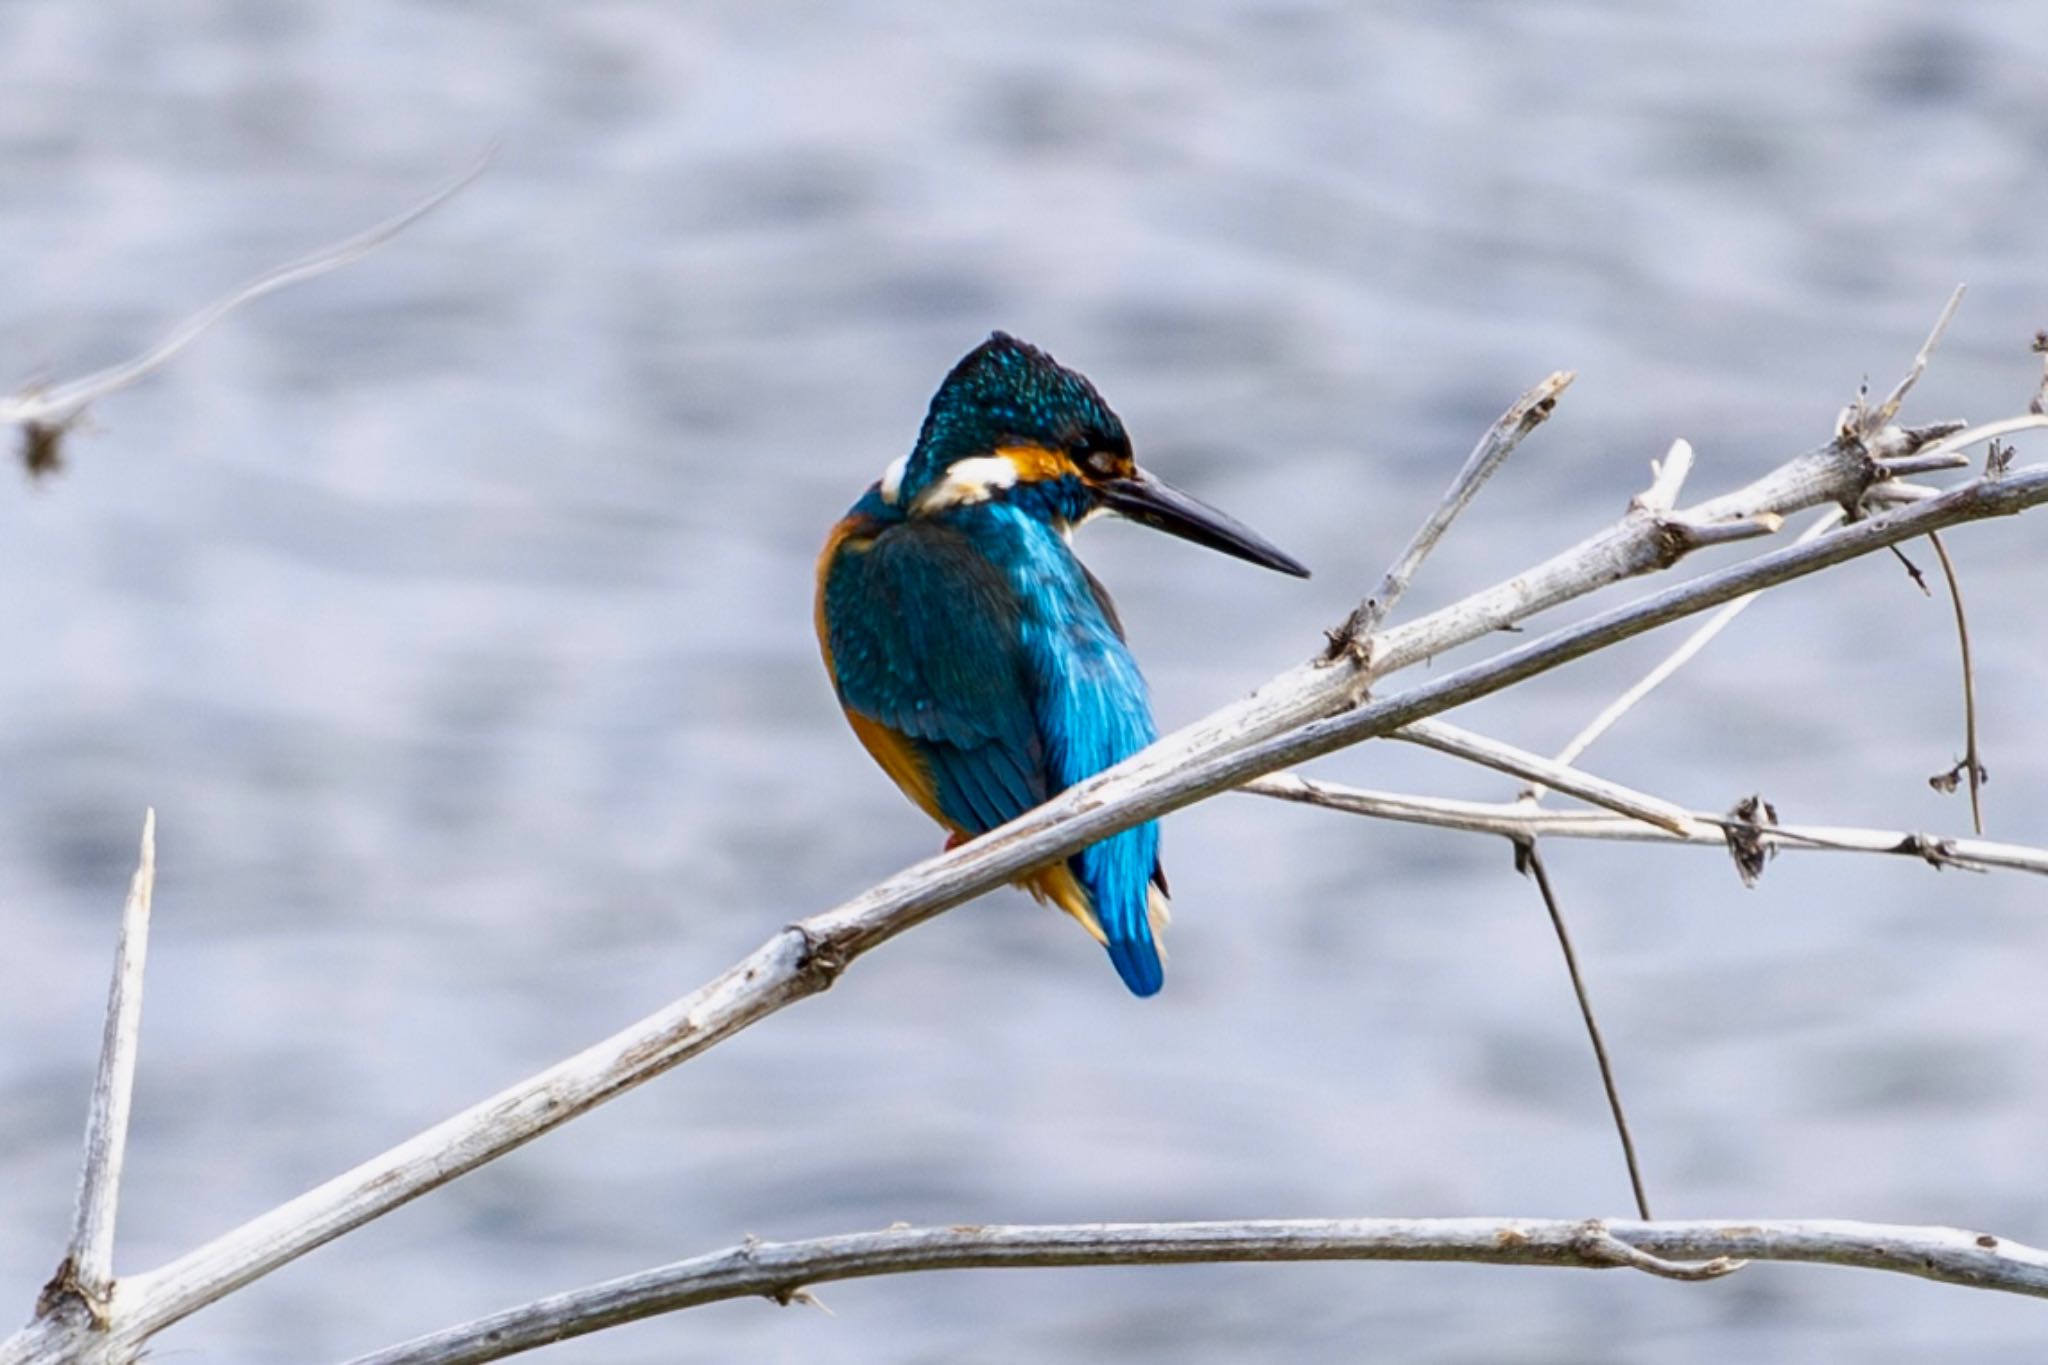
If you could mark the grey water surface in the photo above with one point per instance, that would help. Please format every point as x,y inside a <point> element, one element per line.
<point>454,612</point>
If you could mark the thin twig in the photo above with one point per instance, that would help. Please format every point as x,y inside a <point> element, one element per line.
<point>1521,819</point>
<point>1907,465</point>
<point>1889,409</point>
<point>1667,478</point>
<point>55,408</point>
<point>1691,1249</point>
<point>1912,571</point>
<point>1523,416</point>
<point>1973,759</point>
<point>86,1275</point>
<point>1530,860</point>
<point>1661,497</point>
<point>1492,753</point>
<point>2039,404</point>
<point>1671,663</point>
<point>1988,431</point>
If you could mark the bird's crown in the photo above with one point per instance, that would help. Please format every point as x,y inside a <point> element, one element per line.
<point>1007,394</point>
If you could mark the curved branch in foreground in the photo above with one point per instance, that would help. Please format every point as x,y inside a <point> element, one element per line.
<point>1691,1249</point>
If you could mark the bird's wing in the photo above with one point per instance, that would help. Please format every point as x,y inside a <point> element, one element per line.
<point>1109,614</point>
<point>925,641</point>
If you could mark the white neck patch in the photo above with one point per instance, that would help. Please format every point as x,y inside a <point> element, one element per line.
<point>969,480</point>
<point>892,479</point>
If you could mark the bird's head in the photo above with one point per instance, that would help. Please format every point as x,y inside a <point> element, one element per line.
<point>1011,423</point>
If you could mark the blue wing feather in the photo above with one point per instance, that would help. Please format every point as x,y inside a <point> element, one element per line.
<point>925,639</point>
<point>1095,713</point>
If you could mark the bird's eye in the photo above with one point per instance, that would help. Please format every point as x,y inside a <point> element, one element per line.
<point>1100,463</point>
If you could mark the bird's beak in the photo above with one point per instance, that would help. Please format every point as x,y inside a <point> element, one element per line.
<point>1147,498</point>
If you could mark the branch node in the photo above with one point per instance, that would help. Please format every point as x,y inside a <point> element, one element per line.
<point>67,1290</point>
<point>1352,641</point>
<point>42,445</point>
<point>820,961</point>
<point>1947,782</point>
<point>1748,845</point>
<point>1595,1245</point>
<point>788,1295</point>
<point>1935,851</point>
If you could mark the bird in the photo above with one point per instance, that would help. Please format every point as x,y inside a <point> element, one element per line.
<point>979,662</point>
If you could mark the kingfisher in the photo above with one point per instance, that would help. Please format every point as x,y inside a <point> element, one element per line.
<point>978,660</point>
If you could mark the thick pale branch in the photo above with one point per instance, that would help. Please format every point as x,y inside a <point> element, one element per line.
<point>86,1276</point>
<point>1310,710</point>
<point>805,958</point>
<point>1690,1250</point>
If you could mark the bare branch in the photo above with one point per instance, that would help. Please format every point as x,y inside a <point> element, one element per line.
<point>1530,860</point>
<point>1667,478</point>
<point>1520,819</point>
<point>47,411</point>
<point>1310,710</point>
<point>1696,537</point>
<point>1492,753</point>
<point>2039,405</point>
<point>808,956</point>
<point>1889,409</point>
<point>1692,1249</point>
<point>86,1275</point>
<point>1897,493</point>
<point>1989,431</point>
<point>1671,663</point>
<point>1523,416</point>
<point>1973,758</point>
<point>1907,465</point>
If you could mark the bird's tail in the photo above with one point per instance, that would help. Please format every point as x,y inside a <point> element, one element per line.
<point>1125,913</point>
<point>1139,957</point>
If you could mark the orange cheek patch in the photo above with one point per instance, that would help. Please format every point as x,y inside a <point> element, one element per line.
<point>1036,462</point>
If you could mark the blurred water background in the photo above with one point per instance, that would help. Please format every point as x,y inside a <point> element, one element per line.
<point>455,613</point>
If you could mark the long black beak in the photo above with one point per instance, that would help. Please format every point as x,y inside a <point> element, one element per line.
<point>1144,497</point>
